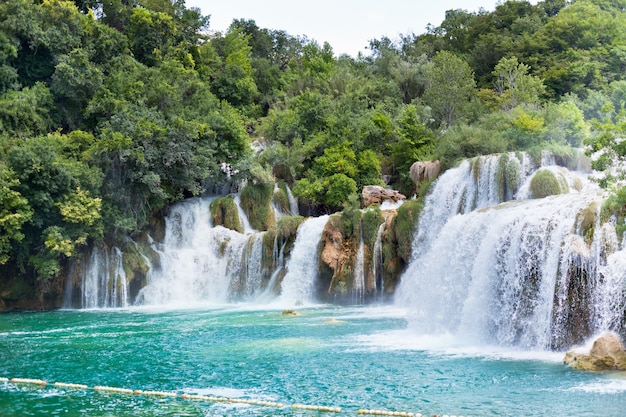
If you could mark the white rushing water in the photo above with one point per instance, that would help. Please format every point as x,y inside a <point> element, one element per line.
<point>298,285</point>
<point>501,273</point>
<point>104,282</point>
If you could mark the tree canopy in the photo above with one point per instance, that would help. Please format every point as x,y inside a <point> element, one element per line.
<point>111,110</point>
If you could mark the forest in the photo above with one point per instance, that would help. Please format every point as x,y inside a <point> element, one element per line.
<point>112,110</point>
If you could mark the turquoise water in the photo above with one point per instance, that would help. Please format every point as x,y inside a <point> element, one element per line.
<point>363,359</point>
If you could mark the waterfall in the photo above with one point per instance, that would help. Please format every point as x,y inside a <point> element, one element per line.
<point>377,260</point>
<point>247,227</point>
<point>490,266</point>
<point>293,202</point>
<point>358,287</point>
<point>103,282</point>
<point>200,263</point>
<point>299,283</point>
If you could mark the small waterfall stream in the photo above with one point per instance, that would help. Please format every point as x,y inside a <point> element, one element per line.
<point>104,281</point>
<point>358,289</point>
<point>299,283</point>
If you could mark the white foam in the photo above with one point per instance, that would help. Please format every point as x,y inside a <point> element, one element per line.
<point>611,386</point>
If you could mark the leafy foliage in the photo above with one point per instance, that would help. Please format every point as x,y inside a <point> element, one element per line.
<point>110,110</point>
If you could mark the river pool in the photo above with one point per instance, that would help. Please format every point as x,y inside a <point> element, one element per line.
<point>354,358</point>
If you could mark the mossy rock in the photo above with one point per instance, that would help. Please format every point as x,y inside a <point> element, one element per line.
<point>404,226</point>
<point>587,221</point>
<point>256,203</point>
<point>280,197</point>
<point>371,219</point>
<point>289,313</point>
<point>545,183</point>
<point>224,212</point>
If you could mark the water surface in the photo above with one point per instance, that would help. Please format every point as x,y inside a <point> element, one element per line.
<point>353,358</point>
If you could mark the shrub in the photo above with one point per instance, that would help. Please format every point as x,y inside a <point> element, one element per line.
<point>545,183</point>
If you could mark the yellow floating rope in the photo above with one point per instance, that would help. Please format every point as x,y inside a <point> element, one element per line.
<point>42,383</point>
<point>72,386</point>
<point>28,381</point>
<point>317,408</point>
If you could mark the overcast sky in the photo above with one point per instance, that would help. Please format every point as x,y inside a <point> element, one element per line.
<point>347,25</point>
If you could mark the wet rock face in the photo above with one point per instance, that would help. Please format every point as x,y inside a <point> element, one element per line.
<point>607,353</point>
<point>375,194</point>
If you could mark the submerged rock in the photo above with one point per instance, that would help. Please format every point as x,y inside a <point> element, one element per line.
<point>289,313</point>
<point>607,353</point>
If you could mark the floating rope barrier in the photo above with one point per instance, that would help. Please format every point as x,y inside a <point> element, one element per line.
<point>317,408</point>
<point>388,413</point>
<point>72,386</point>
<point>28,381</point>
<point>115,390</point>
<point>155,393</point>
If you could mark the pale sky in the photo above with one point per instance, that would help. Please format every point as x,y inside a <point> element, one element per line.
<point>347,25</point>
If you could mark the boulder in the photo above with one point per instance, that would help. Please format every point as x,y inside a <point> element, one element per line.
<point>375,194</point>
<point>607,353</point>
<point>424,170</point>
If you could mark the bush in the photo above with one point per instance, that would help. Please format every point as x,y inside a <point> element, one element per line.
<point>545,183</point>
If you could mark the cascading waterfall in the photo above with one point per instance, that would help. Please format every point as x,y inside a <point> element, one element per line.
<point>358,288</point>
<point>299,282</point>
<point>104,283</point>
<point>493,272</point>
<point>204,264</point>
<point>377,259</point>
<point>293,202</point>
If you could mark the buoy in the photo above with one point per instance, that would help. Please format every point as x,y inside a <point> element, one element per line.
<point>73,386</point>
<point>28,381</point>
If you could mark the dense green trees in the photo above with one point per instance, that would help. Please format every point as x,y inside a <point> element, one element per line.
<point>110,110</point>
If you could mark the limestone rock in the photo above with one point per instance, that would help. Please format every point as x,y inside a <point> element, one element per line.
<point>375,194</point>
<point>607,353</point>
<point>424,170</point>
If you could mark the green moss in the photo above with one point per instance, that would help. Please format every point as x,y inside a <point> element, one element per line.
<point>256,203</point>
<point>616,205</point>
<point>282,235</point>
<point>371,220</point>
<point>281,197</point>
<point>546,183</point>
<point>512,175</point>
<point>501,176</point>
<point>535,155</point>
<point>350,218</point>
<point>224,212</point>
<point>476,165</point>
<point>404,226</point>
<point>587,221</point>
<point>133,262</point>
